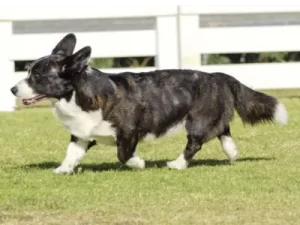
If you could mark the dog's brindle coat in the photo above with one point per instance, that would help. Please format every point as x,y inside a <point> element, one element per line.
<point>128,106</point>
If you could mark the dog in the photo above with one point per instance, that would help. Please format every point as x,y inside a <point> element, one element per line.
<point>125,108</point>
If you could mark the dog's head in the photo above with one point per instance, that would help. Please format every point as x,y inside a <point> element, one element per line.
<point>49,76</point>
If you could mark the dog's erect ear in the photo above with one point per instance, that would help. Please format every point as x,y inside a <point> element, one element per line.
<point>78,60</point>
<point>66,46</point>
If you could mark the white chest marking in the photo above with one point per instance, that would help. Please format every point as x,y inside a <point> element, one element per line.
<point>85,125</point>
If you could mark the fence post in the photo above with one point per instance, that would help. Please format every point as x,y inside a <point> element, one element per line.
<point>189,30</point>
<point>166,42</point>
<point>8,101</point>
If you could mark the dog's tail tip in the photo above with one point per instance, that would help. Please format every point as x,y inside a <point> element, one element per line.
<point>280,114</point>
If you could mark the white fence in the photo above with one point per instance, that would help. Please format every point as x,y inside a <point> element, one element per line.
<point>170,33</point>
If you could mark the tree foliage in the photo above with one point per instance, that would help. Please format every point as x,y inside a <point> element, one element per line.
<point>264,57</point>
<point>122,62</point>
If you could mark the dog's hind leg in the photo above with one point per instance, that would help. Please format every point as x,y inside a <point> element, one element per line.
<point>76,150</point>
<point>197,136</point>
<point>193,146</point>
<point>200,128</point>
<point>228,144</point>
<point>126,144</point>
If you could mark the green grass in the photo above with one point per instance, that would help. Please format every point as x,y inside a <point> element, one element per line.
<point>262,187</point>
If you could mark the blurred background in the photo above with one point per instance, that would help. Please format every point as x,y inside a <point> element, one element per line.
<point>258,43</point>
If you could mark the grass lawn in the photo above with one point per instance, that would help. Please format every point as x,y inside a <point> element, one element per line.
<point>262,187</point>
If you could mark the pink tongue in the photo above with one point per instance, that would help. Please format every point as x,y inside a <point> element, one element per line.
<point>27,101</point>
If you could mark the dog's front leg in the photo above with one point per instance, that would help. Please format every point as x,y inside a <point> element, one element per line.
<point>126,143</point>
<point>76,150</point>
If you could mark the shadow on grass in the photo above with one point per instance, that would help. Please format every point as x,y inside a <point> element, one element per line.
<point>150,164</point>
<point>32,107</point>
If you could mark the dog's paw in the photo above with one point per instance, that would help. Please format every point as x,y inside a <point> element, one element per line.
<point>175,165</point>
<point>232,156</point>
<point>136,163</point>
<point>178,165</point>
<point>232,159</point>
<point>63,170</point>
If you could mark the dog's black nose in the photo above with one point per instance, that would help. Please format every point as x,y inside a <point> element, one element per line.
<point>14,90</point>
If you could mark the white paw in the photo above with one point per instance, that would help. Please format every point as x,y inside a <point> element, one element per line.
<point>63,170</point>
<point>136,162</point>
<point>180,163</point>
<point>232,158</point>
<point>229,148</point>
<point>175,165</point>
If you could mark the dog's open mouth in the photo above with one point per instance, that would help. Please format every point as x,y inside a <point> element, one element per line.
<point>33,100</point>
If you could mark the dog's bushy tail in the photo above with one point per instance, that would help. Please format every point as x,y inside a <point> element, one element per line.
<point>253,106</point>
